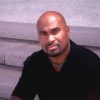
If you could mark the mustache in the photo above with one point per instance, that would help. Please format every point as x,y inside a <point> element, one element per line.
<point>52,44</point>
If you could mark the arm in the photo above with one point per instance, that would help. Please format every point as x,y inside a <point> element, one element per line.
<point>15,98</point>
<point>25,88</point>
<point>94,97</point>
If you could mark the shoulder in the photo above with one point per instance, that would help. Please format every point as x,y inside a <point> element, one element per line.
<point>33,60</point>
<point>34,56</point>
<point>82,50</point>
<point>84,54</point>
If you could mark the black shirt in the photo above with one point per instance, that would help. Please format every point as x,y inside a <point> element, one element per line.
<point>79,77</point>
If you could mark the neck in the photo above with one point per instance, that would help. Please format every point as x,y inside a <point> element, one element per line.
<point>61,58</point>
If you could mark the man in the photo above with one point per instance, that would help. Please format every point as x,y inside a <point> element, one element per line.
<point>62,70</point>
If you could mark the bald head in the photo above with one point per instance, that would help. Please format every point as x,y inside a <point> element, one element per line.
<point>49,16</point>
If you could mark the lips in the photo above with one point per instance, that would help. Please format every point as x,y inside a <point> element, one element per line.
<point>52,48</point>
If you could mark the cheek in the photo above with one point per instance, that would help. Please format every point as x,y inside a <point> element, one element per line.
<point>63,38</point>
<point>42,42</point>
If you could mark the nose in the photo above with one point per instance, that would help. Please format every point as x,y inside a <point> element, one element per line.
<point>51,38</point>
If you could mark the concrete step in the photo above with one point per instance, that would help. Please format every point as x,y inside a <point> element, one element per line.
<point>88,36</point>
<point>18,30</point>
<point>4,98</point>
<point>14,53</point>
<point>9,77</point>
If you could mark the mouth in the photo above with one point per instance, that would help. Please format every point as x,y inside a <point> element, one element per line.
<point>52,48</point>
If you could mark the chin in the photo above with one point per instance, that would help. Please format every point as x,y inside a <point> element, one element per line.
<point>54,54</point>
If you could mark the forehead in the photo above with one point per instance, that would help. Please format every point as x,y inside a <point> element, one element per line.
<point>49,23</point>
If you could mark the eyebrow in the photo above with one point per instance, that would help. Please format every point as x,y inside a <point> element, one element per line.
<point>55,28</point>
<point>42,32</point>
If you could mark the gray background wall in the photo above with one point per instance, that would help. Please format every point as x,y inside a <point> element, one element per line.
<point>78,12</point>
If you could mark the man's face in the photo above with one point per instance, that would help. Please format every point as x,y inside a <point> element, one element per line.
<point>53,36</point>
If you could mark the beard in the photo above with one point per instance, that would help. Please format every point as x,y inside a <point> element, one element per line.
<point>54,53</point>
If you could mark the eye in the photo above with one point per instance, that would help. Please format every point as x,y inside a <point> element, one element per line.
<point>55,30</point>
<point>43,33</point>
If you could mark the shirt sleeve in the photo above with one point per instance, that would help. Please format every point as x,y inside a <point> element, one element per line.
<point>25,87</point>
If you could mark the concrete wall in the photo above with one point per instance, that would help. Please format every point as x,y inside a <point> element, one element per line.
<point>78,12</point>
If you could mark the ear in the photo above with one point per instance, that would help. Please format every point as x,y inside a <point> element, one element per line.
<point>68,30</point>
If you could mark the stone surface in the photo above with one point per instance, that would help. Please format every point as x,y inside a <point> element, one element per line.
<point>24,31</point>
<point>8,80</point>
<point>78,12</point>
<point>9,76</point>
<point>17,56</point>
<point>4,99</point>
<point>87,36</point>
<point>15,30</point>
<point>2,58</point>
<point>15,53</point>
